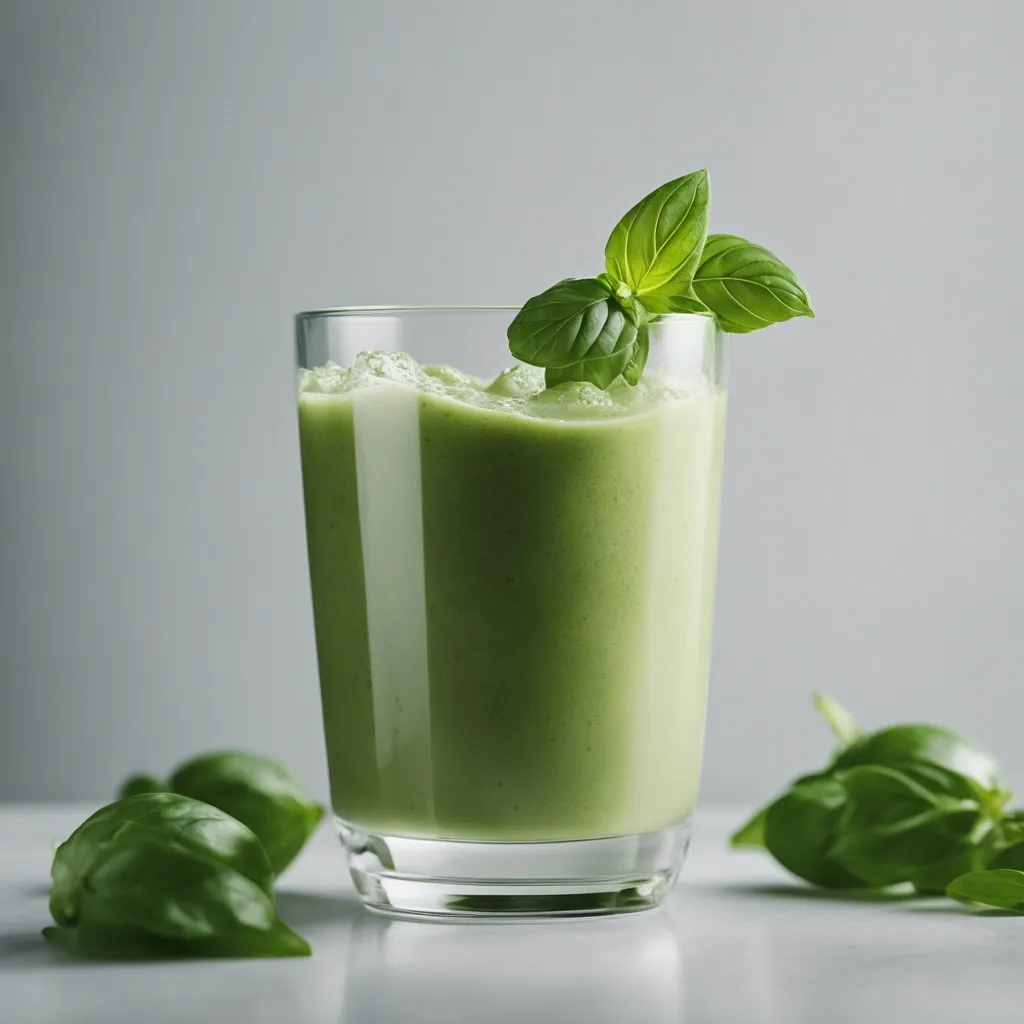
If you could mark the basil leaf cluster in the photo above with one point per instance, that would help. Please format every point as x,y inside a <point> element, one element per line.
<point>659,259</point>
<point>162,875</point>
<point>916,804</point>
<point>261,793</point>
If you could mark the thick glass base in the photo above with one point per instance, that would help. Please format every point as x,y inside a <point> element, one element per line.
<point>441,878</point>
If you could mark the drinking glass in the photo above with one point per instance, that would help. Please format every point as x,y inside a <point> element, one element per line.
<point>512,597</point>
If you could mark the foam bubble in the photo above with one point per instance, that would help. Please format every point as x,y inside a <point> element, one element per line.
<point>520,381</point>
<point>452,378</point>
<point>330,378</point>
<point>572,400</point>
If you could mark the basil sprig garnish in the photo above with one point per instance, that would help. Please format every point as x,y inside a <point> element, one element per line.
<point>659,259</point>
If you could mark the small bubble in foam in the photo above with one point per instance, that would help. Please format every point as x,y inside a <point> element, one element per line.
<point>449,376</point>
<point>396,366</point>
<point>330,378</point>
<point>567,401</point>
<point>518,382</point>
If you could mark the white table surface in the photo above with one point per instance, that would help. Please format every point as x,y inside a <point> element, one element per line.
<point>737,942</point>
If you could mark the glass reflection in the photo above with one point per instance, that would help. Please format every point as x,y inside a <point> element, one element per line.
<point>612,970</point>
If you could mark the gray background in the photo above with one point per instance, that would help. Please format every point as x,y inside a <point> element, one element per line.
<point>178,178</point>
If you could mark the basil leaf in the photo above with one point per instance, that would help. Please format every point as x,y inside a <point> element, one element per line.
<point>800,830</point>
<point>746,286</point>
<point>1009,857</point>
<point>656,247</point>
<point>260,793</point>
<point>984,840</point>
<point>751,834</point>
<point>577,330</point>
<point>881,796</point>
<point>135,785</point>
<point>148,896</point>
<point>895,827</point>
<point>840,721</point>
<point>934,879</point>
<point>638,360</point>
<point>929,744</point>
<point>195,827</point>
<point>887,857</point>
<point>1001,887</point>
<point>940,781</point>
<point>1011,828</point>
<point>160,874</point>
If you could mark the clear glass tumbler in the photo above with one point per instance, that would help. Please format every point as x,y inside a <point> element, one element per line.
<point>512,592</point>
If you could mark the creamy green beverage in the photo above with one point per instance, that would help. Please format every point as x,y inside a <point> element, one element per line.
<point>512,591</point>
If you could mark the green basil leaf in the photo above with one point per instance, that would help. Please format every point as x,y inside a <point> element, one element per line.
<point>98,943</point>
<point>638,360</point>
<point>656,247</point>
<point>1009,857</point>
<point>883,858</point>
<point>118,943</point>
<point>1002,888</point>
<point>197,828</point>
<point>1011,828</point>
<point>135,785</point>
<point>882,796</point>
<point>995,800</point>
<point>260,793</point>
<point>934,879</point>
<point>577,330</point>
<point>147,895</point>
<point>746,286</point>
<point>840,721</point>
<point>929,744</point>
<point>625,297</point>
<point>940,781</point>
<point>751,834</point>
<point>800,831</point>
<point>895,827</point>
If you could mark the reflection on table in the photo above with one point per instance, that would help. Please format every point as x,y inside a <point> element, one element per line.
<point>622,969</point>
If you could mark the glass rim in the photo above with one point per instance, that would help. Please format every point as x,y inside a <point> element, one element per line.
<point>310,314</point>
<point>329,311</point>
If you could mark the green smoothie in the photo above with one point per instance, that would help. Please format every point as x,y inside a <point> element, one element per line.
<point>512,593</point>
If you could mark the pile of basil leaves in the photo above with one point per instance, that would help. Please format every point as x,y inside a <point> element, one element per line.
<point>914,805</point>
<point>184,867</point>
